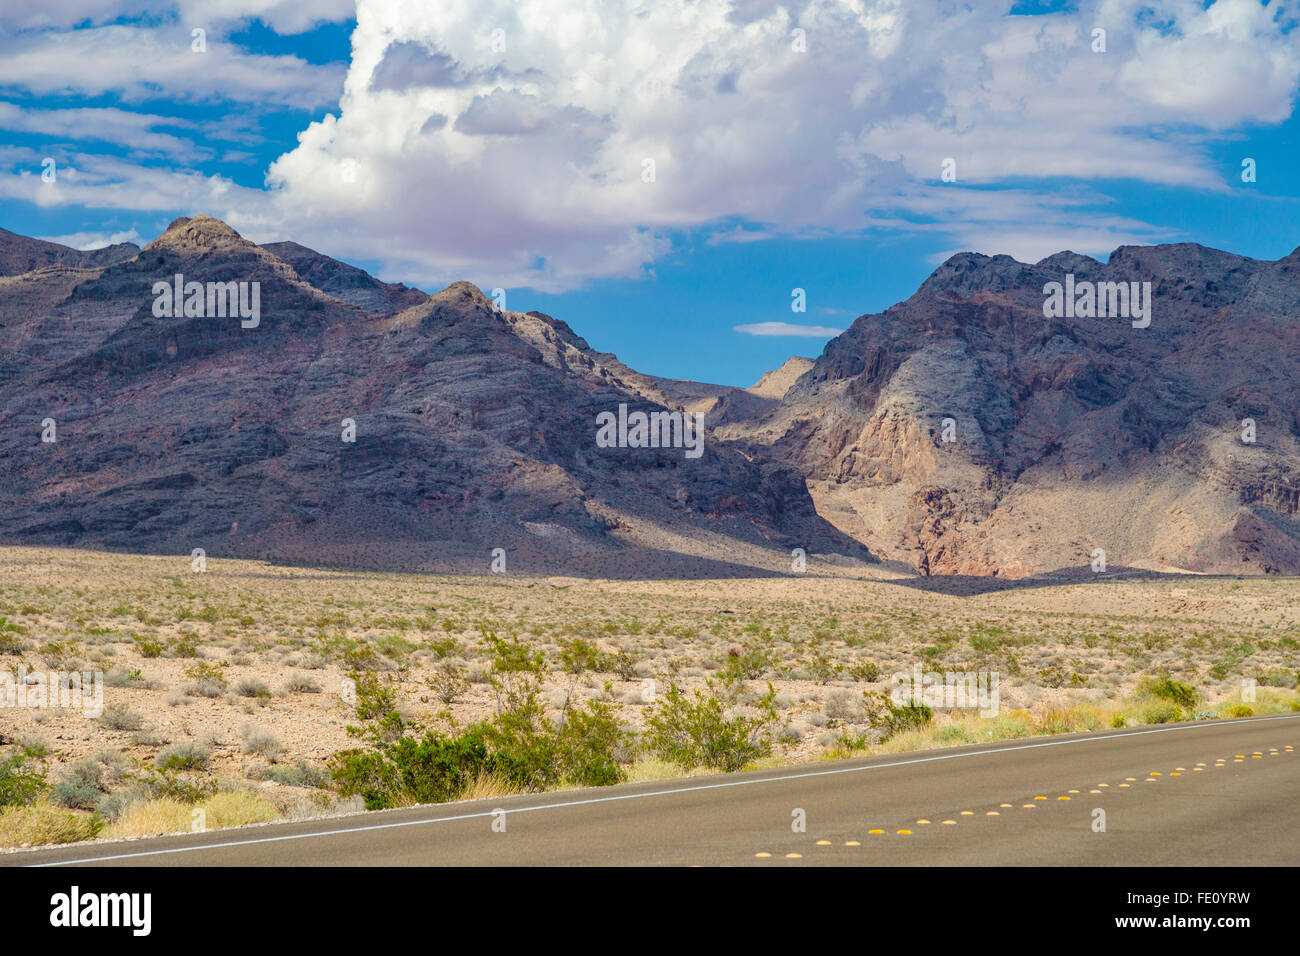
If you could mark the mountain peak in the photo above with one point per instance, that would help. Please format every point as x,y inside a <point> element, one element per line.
<point>199,234</point>
<point>778,381</point>
<point>463,292</point>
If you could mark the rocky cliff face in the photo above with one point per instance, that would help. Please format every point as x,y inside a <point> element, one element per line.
<point>962,431</point>
<point>472,429</point>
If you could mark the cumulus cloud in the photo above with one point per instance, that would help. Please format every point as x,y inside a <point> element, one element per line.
<point>787,328</point>
<point>548,142</point>
<point>543,143</point>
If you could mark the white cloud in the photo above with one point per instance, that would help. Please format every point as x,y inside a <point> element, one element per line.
<point>146,63</point>
<point>136,131</point>
<point>787,328</point>
<point>105,182</point>
<point>525,160</point>
<point>548,142</point>
<point>283,16</point>
<point>95,240</point>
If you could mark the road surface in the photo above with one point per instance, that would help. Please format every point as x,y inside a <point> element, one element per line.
<point>1208,793</point>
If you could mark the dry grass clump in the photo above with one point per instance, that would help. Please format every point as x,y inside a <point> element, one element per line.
<point>43,823</point>
<point>164,815</point>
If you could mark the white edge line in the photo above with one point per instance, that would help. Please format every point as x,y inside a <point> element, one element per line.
<point>660,793</point>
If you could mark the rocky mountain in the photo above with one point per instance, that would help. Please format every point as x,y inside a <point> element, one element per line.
<point>985,426</point>
<point>1009,419</point>
<point>19,254</point>
<point>288,406</point>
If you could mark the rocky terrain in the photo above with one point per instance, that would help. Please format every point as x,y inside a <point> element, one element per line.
<point>1070,436</point>
<point>959,433</point>
<point>474,428</point>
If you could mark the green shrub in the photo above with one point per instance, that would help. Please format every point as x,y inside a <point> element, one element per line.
<point>431,770</point>
<point>1241,710</point>
<point>890,718</point>
<point>1278,678</point>
<point>748,663</point>
<point>865,671</point>
<point>577,656</point>
<point>822,667</point>
<point>1166,688</point>
<point>81,787</point>
<point>1162,713</point>
<point>186,645</point>
<point>150,647</point>
<point>704,732</point>
<point>20,782</point>
<point>521,745</point>
<point>624,664</point>
<point>206,672</point>
<point>301,774</point>
<point>184,756</point>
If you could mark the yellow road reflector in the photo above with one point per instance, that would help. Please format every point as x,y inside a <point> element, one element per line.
<point>1029,806</point>
<point>922,821</point>
<point>1072,791</point>
<point>950,822</point>
<point>794,856</point>
<point>1175,774</point>
<point>875,831</point>
<point>1062,798</point>
<point>993,813</point>
<point>904,832</point>
<point>823,843</point>
<point>967,813</point>
<point>1094,791</point>
<point>1123,785</point>
<point>1004,804</point>
<point>852,843</point>
<point>1040,798</point>
<point>762,854</point>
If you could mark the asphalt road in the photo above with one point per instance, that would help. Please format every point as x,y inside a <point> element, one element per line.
<point>1202,794</point>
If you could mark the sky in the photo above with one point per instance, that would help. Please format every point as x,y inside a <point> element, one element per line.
<point>661,175</point>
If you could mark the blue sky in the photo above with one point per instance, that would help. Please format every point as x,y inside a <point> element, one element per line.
<point>794,146</point>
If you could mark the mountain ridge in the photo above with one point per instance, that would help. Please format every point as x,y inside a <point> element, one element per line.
<point>963,431</point>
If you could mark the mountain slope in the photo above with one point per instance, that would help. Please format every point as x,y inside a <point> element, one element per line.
<point>1070,435</point>
<point>474,429</point>
<point>19,254</point>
